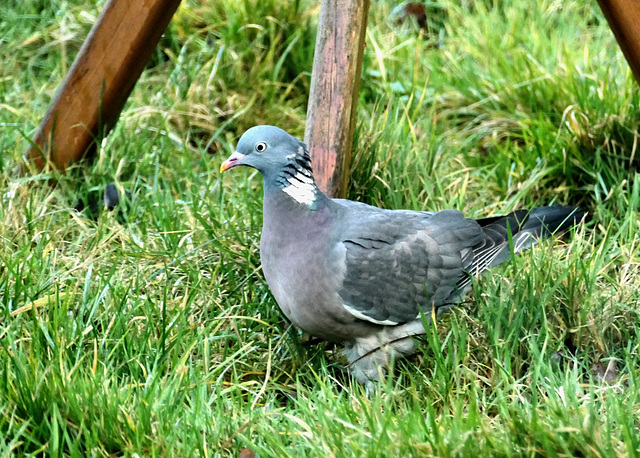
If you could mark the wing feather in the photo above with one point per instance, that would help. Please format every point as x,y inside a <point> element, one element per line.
<point>398,262</point>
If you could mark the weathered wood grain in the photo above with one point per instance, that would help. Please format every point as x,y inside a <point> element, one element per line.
<point>335,84</point>
<point>103,74</point>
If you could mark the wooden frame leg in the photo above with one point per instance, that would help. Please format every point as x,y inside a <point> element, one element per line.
<point>623,17</point>
<point>335,85</point>
<point>100,79</point>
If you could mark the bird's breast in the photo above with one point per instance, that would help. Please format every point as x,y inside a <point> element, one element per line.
<point>304,270</point>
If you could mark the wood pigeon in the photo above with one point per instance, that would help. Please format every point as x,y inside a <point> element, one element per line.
<point>363,276</point>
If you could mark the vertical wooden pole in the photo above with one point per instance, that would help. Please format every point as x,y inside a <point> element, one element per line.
<point>624,19</point>
<point>335,84</point>
<point>100,80</point>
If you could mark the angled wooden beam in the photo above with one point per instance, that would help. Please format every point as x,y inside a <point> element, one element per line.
<point>335,85</point>
<point>623,17</point>
<point>103,74</point>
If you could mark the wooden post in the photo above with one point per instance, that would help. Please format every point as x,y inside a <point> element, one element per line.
<point>100,79</point>
<point>335,84</point>
<point>624,19</point>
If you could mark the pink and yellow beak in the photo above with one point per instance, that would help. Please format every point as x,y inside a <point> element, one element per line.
<point>233,160</point>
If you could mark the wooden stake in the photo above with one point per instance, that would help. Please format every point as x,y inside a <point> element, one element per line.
<point>624,19</point>
<point>335,84</point>
<point>100,80</point>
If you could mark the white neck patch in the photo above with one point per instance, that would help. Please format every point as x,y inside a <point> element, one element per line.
<point>301,188</point>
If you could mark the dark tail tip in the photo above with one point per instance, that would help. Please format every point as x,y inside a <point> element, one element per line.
<point>554,220</point>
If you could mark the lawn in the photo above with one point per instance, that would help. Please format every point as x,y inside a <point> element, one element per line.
<point>150,331</point>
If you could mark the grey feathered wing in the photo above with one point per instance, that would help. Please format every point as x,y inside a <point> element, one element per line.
<point>399,262</point>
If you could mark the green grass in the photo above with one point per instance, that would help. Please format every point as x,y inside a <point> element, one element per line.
<point>152,332</point>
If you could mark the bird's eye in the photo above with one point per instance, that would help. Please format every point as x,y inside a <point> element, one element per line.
<point>260,147</point>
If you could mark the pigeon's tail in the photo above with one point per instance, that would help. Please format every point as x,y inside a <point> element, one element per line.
<point>526,229</point>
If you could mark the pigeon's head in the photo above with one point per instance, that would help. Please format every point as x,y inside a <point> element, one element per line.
<point>267,149</point>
